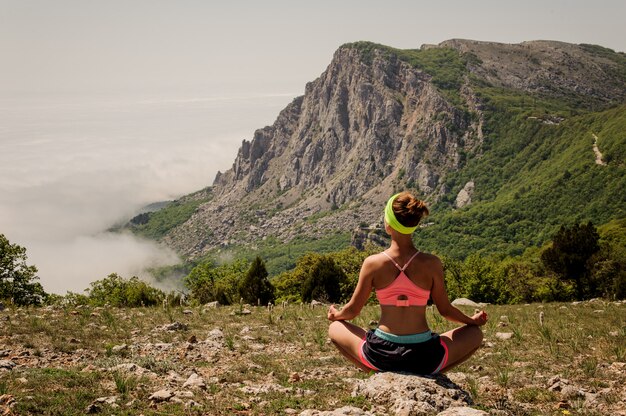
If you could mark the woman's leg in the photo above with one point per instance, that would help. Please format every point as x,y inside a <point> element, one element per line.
<point>462,343</point>
<point>347,338</point>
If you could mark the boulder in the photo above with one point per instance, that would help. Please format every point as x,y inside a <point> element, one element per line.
<point>412,395</point>
<point>343,411</point>
<point>462,411</point>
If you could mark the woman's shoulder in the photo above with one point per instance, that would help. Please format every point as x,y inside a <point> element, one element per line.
<point>430,259</point>
<point>375,259</point>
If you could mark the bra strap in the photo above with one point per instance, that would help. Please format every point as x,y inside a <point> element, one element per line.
<point>393,261</point>
<point>410,260</point>
<point>397,265</point>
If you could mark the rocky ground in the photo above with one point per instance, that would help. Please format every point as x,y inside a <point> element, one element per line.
<point>536,359</point>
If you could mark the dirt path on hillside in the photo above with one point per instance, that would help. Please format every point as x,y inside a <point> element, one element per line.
<point>597,151</point>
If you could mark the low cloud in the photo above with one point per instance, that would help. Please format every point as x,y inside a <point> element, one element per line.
<point>86,259</point>
<point>69,170</point>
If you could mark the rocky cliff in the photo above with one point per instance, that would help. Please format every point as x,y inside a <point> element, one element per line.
<point>379,120</point>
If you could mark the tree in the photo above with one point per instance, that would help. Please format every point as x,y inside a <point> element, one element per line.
<point>254,286</point>
<point>568,257</point>
<point>18,280</point>
<point>323,281</point>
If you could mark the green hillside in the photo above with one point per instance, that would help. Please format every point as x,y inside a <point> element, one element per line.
<point>531,177</point>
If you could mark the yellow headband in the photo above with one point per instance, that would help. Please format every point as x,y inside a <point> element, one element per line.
<point>390,217</point>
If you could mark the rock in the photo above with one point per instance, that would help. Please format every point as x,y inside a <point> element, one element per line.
<point>213,304</point>
<point>89,368</point>
<point>7,364</point>
<point>465,302</point>
<point>188,312</point>
<point>161,395</point>
<point>410,394</point>
<point>192,404</point>
<point>106,400</point>
<point>215,335</point>
<point>342,411</point>
<point>572,393</point>
<point>557,383</point>
<point>614,333</point>
<point>504,335</point>
<point>184,394</point>
<point>175,326</point>
<point>464,197</point>
<point>195,382</point>
<point>462,411</point>
<point>117,349</point>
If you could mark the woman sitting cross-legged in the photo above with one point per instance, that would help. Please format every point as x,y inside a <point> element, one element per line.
<point>404,279</point>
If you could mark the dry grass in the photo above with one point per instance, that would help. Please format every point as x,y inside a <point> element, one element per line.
<point>264,349</point>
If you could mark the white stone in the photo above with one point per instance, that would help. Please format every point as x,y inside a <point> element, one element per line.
<point>161,395</point>
<point>465,302</point>
<point>195,381</point>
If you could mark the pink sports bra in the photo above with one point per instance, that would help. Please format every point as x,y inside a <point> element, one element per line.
<point>403,287</point>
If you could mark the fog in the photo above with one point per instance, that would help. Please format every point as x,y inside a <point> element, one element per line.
<point>73,166</point>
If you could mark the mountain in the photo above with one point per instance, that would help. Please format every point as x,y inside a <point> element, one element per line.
<point>499,139</point>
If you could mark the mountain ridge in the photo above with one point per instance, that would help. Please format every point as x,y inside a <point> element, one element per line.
<point>380,119</point>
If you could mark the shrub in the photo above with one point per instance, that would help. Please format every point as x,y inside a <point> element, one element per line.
<point>117,291</point>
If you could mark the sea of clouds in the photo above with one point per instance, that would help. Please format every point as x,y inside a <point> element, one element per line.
<point>73,166</point>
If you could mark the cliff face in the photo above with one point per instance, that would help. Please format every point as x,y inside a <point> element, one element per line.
<point>371,124</point>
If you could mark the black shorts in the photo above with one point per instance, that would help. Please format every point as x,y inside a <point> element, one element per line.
<point>427,357</point>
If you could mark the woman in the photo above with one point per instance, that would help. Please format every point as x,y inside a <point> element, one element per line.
<point>404,279</point>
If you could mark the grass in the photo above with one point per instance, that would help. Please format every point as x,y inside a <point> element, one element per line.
<point>574,343</point>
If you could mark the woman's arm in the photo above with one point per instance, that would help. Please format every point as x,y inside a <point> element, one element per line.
<point>359,297</point>
<point>445,308</point>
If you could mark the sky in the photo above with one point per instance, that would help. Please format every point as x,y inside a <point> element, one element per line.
<point>113,45</point>
<point>106,106</point>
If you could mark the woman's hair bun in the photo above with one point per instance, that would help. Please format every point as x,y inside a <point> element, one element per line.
<point>408,209</point>
<point>417,207</point>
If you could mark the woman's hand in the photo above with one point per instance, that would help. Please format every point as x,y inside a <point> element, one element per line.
<point>480,318</point>
<point>332,313</point>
